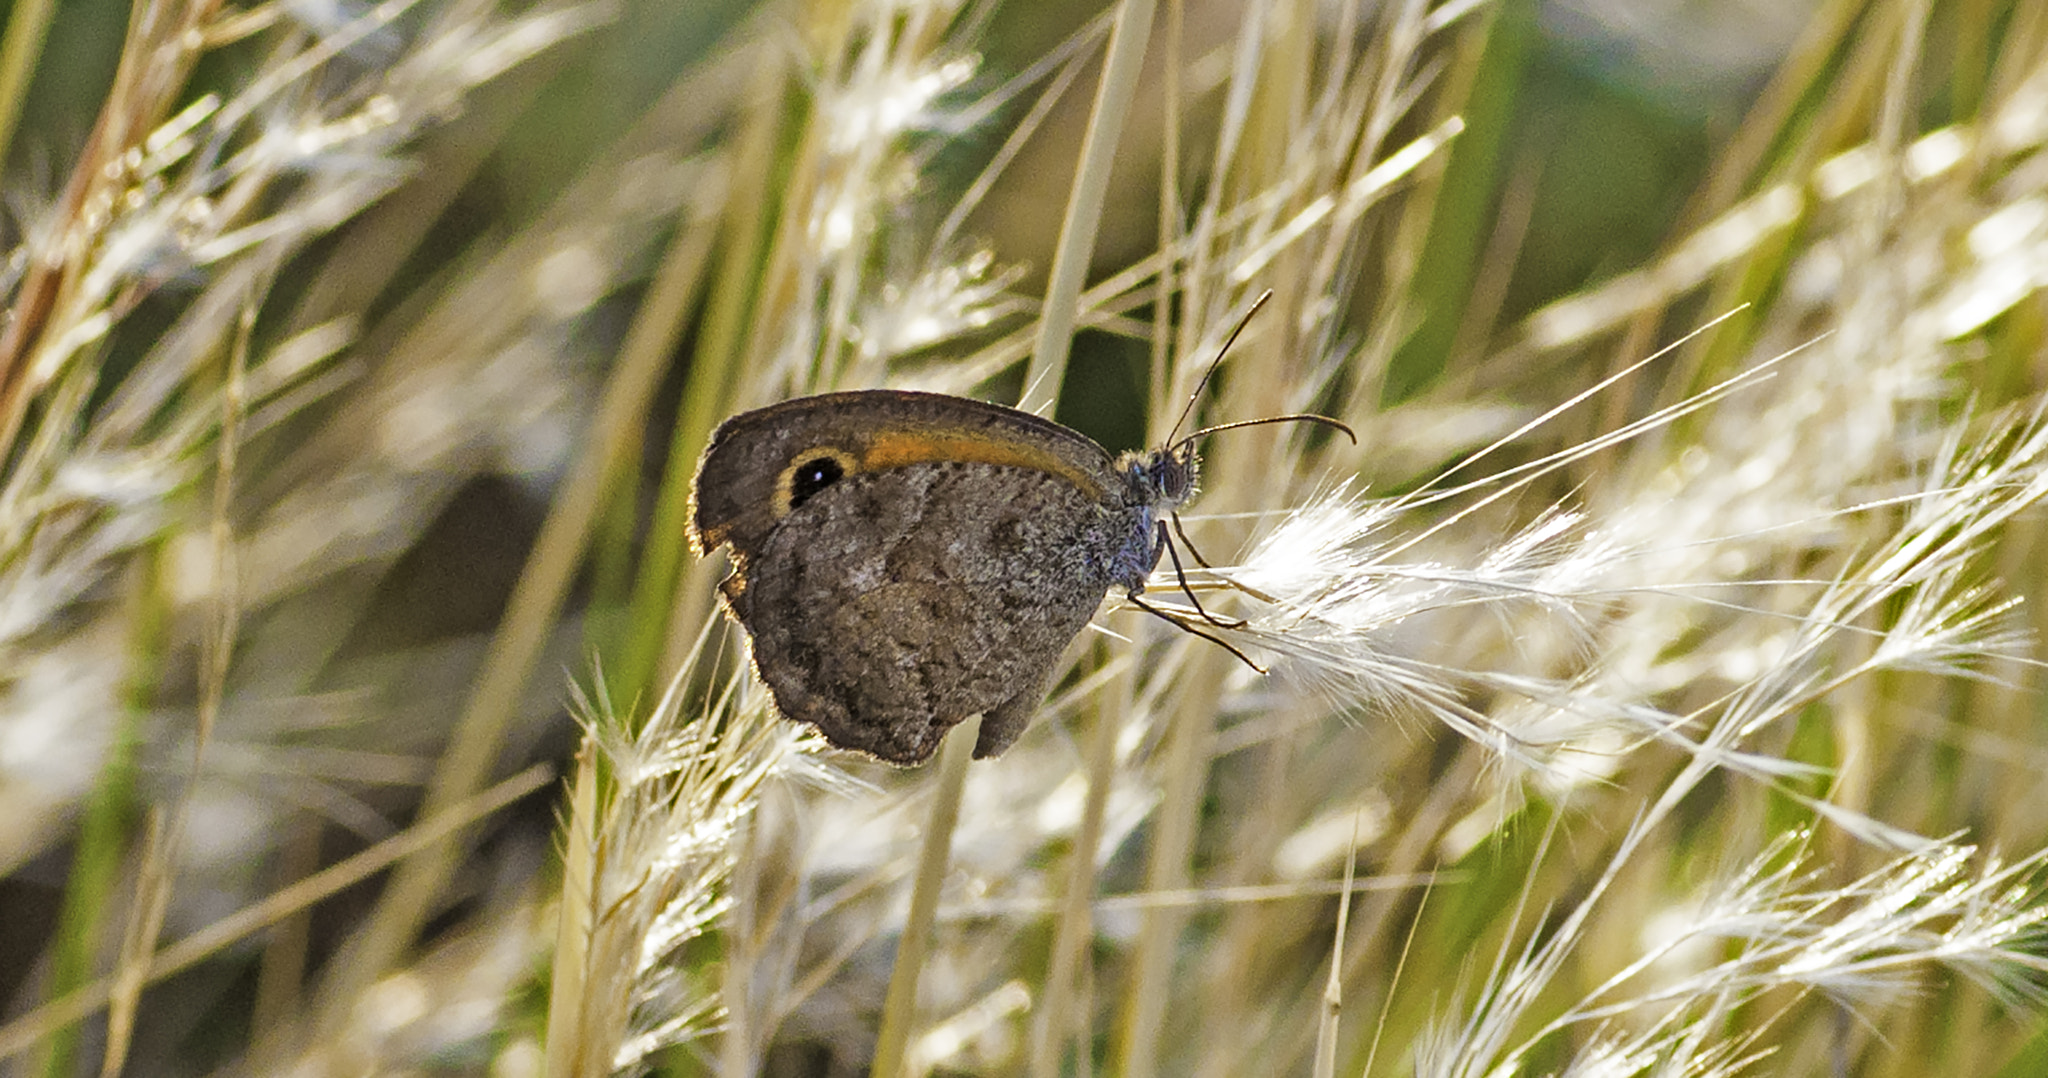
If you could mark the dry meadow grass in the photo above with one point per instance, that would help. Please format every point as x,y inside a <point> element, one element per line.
<point>1654,689</point>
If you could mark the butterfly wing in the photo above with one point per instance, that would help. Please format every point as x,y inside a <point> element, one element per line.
<point>898,602</point>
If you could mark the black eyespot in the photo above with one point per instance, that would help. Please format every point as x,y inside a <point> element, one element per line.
<point>812,476</point>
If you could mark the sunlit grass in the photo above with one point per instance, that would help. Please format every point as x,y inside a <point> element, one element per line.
<point>1652,688</point>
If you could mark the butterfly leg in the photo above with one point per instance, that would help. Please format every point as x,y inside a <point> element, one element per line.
<point>1189,543</point>
<point>1181,575</point>
<point>1185,624</point>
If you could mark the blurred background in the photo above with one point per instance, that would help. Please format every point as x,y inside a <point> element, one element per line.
<point>465,285</point>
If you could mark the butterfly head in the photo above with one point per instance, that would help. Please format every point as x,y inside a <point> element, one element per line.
<point>1162,479</point>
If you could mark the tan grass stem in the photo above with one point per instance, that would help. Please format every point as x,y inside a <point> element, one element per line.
<point>1053,1022</point>
<point>899,1006</point>
<point>27,27</point>
<point>160,853</point>
<point>663,612</point>
<point>1171,224</point>
<point>1113,96</point>
<point>566,992</point>
<point>1333,986</point>
<point>1147,993</point>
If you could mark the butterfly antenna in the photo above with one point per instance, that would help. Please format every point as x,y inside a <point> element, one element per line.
<point>1217,362</point>
<point>1305,417</point>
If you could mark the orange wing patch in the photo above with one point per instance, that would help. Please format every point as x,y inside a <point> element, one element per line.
<point>897,448</point>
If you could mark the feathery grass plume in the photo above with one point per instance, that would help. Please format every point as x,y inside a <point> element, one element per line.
<point>886,77</point>
<point>199,201</point>
<point>1333,587</point>
<point>131,353</point>
<point>1856,425</point>
<point>1867,942</point>
<point>654,822</point>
